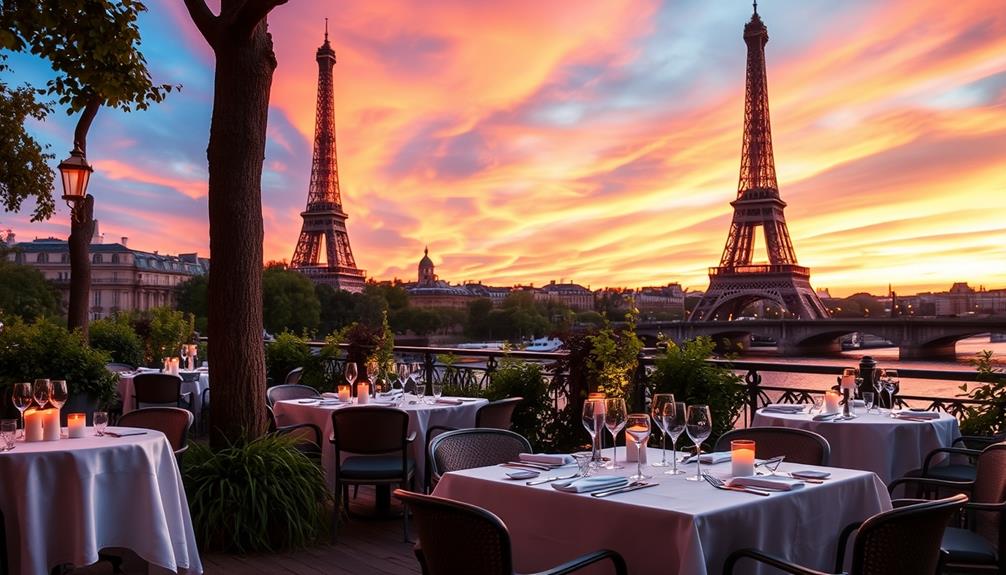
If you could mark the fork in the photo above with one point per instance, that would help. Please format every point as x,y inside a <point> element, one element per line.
<point>720,484</point>
<point>553,478</point>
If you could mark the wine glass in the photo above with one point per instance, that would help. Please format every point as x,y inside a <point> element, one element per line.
<point>657,413</point>
<point>698,426</point>
<point>637,426</point>
<point>592,411</point>
<point>421,393</point>
<point>878,387</point>
<point>58,395</point>
<point>351,373</point>
<point>41,391</point>
<point>891,382</point>
<point>614,420</point>
<point>674,425</point>
<point>438,390</point>
<point>100,419</point>
<point>22,399</point>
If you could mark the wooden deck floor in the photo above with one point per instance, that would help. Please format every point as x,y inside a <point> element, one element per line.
<point>364,547</point>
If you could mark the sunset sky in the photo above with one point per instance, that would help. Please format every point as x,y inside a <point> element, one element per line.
<point>599,142</point>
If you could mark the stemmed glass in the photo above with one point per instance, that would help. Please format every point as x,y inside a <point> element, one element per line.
<point>614,420</point>
<point>657,413</point>
<point>637,426</point>
<point>58,394</point>
<point>421,393</point>
<point>891,385</point>
<point>372,371</point>
<point>351,374</point>
<point>698,426</point>
<point>438,390</point>
<point>878,387</point>
<point>674,425</point>
<point>22,399</point>
<point>41,391</point>
<point>593,414</point>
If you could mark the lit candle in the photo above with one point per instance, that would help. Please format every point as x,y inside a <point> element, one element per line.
<point>363,393</point>
<point>32,425</point>
<point>832,399</point>
<point>192,350</point>
<point>344,394</point>
<point>742,457</point>
<point>75,424</point>
<point>50,424</point>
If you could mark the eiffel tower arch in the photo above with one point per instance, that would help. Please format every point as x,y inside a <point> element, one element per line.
<point>738,281</point>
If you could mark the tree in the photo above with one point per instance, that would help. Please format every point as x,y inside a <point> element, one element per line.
<point>25,292</point>
<point>245,62</point>
<point>190,296</point>
<point>395,295</point>
<point>289,301</point>
<point>338,308</point>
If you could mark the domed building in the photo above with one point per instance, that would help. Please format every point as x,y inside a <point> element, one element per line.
<point>431,292</point>
<point>427,275</point>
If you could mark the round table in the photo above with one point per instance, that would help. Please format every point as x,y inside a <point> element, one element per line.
<point>887,446</point>
<point>63,501</point>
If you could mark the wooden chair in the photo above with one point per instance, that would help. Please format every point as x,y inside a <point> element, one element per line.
<point>469,448</point>
<point>173,422</point>
<point>290,391</point>
<point>798,445</point>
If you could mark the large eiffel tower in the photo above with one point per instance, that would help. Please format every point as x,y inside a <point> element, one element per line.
<point>324,217</point>
<point>737,282</point>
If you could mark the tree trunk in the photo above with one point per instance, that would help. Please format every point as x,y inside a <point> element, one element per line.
<point>244,68</point>
<point>81,231</point>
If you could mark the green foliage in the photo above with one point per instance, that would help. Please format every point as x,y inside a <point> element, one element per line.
<point>191,298</point>
<point>289,301</point>
<point>43,349</point>
<point>990,418</point>
<point>288,352</point>
<point>24,170</point>
<point>163,331</point>
<point>258,495</point>
<point>417,320</point>
<point>532,417</point>
<point>116,336</point>
<point>24,291</point>
<point>338,308</point>
<point>614,357</point>
<point>684,371</point>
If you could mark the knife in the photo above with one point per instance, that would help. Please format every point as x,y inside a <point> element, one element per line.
<point>624,489</point>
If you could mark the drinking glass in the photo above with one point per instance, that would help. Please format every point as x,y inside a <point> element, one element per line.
<point>878,387</point>
<point>41,391</point>
<point>614,420</point>
<point>8,433</point>
<point>891,382</point>
<point>421,393</point>
<point>592,411</point>
<point>818,402</point>
<point>351,373</point>
<point>100,419</point>
<point>583,462</point>
<point>698,426</point>
<point>438,390</point>
<point>674,425</point>
<point>21,396</point>
<point>868,400</point>
<point>637,426</point>
<point>657,413</point>
<point>58,395</point>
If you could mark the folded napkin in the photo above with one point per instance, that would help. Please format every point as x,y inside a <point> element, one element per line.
<point>588,484</point>
<point>917,414</point>
<point>784,408</point>
<point>446,401</point>
<point>776,482</point>
<point>329,402</point>
<point>711,458</point>
<point>546,458</point>
<point>330,395</point>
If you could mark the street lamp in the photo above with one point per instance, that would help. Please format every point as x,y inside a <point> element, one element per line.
<point>75,172</point>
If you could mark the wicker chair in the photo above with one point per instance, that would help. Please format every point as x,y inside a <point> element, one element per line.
<point>954,470</point>
<point>443,523</point>
<point>903,541</point>
<point>171,421</point>
<point>293,378</point>
<point>468,448</point>
<point>497,414</point>
<point>159,390</point>
<point>982,546</point>
<point>798,445</point>
<point>378,440</point>
<point>308,435</point>
<point>290,391</point>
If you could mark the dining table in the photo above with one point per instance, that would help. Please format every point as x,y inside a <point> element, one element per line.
<point>676,526</point>
<point>888,446</point>
<point>194,382</point>
<point>64,501</point>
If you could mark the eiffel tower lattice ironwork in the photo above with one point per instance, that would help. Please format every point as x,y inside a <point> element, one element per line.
<point>324,218</point>
<point>737,281</point>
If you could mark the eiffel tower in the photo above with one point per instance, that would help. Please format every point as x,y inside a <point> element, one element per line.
<point>737,282</point>
<point>324,217</point>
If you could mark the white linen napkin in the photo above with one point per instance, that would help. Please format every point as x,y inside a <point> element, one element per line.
<point>447,401</point>
<point>917,414</point>
<point>711,458</point>
<point>331,395</point>
<point>547,458</point>
<point>588,484</point>
<point>776,482</point>
<point>784,408</point>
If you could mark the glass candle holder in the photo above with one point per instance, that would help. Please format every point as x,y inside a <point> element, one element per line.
<point>742,457</point>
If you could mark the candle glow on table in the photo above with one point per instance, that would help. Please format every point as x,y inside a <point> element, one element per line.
<point>632,453</point>
<point>50,424</point>
<point>742,457</point>
<point>831,401</point>
<point>362,393</point>
<point>32,425</point>
<point>75,424</point>
<point>344,393</point>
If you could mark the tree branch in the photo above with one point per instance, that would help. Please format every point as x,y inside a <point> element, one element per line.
<point>84,123</point>
<point>253,12</point>
<point>204,20</point>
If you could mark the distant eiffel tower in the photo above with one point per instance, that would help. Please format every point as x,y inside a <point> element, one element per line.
<point>736,283</point>
<point>324,217</point>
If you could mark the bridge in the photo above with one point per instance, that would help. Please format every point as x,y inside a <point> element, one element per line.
<point>916,338</point>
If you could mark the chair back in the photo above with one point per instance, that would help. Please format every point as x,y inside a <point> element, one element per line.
<point>173,422</point>
<point>293,378</point>
<point>289,391</point>
<point>990,487</point>
<point>441,524</point>
<point>119,367</point>
<point>160,388</point>
<point>469,448</point>
<point>798,445</point>
<point>369,430</point>
<point>497,414</point>
<point>906,540</point>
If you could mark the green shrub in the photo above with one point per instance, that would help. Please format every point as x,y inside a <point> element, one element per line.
<point>47,350</point>
<point>521,379</point>
<point>258,495</point>
<point>163,331</point>
<point>116,336</point>
<point>289,351</point>
<point>614,358</point>
<point>684,371</point>
<point>990,418</point>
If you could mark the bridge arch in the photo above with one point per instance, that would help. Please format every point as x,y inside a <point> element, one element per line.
<point>733,304</point>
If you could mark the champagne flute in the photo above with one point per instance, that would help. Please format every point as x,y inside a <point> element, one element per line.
<point>22,399</point>
<point>351,373</point>
<point>58,395</point>
<point>698,426</point>
<point>891,385</point>
<point>41,391</point>
<point>657,412</point>
<point>614,420</point>
<point>637,426</point>
<point>674,425</point>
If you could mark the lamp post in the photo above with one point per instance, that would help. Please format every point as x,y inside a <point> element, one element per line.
<point>75,174</point>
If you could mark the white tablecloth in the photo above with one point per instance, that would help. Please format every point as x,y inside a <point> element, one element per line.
<point>192,382</point>
<point>884,445</point>
<point>679,527</point>
<point>65,500</point>
<point>421,418</point>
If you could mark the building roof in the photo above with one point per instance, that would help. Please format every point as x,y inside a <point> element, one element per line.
<point>426,262</point>
<point>189,264</point>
